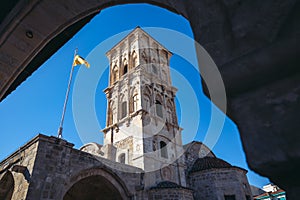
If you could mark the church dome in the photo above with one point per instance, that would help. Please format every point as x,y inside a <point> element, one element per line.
<point>209,163</point>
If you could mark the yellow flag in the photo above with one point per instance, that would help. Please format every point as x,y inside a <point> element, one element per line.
<point>78,60</point>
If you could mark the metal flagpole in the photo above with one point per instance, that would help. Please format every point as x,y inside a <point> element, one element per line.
<point>60,129</point>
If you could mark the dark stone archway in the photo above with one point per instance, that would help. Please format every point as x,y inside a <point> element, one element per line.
<point>93,188</point>
<point>7,185</point>
<point>94,184</point>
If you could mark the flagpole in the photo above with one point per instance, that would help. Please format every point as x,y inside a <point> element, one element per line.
<point>60,129</point>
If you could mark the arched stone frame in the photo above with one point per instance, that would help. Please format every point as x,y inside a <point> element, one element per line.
<point>170,111</point>
<point>134,59</point>
<point>122,158</point>
<point>163,146</point>
<point>123,108</point>
<point>146,100</point>
<point>159,106</point>
<point>153,66</point>
<point>114,74</point>
<point>92,148</point>
<point>163,149</point>
<point>167,173</point>
<point>133,101</point>
<point>7,184</point>
<point>125,67</point>
<point>104,172</point>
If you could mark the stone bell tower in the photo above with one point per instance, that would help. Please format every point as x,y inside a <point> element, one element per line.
<point>142,128</point>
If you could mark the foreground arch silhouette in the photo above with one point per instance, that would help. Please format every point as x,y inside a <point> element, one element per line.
<point>258,60</point>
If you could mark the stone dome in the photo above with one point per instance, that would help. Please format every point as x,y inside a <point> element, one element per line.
<point>209,163</point>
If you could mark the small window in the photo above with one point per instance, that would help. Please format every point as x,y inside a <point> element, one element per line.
<point>122,158</point>
<point>125,69</point>
<point>229,197</point>
<point>248,197</point>
<point>114,74</point>
<point>163,149</point>
<point>133,103</point>
<point>124,109</point>
<point>159,111</point>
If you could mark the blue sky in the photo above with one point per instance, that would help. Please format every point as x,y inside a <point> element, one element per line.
<point>36,105</point>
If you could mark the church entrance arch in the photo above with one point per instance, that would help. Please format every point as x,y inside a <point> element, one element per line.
<point>96,184</point>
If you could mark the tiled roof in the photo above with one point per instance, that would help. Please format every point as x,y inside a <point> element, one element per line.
<point>209,163</point>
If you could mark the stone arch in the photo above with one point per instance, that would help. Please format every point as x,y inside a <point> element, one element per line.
<point>159,106</point>
<point>170,111</point>
<point>134,59</point>
<point>163,145</point>
<point>103,181</point>
<point>125,68</point>
<point>133,100</point>
<point>146,100</point>
<point>114,74</point>
<point>123,106</point>
<point>7,184</point>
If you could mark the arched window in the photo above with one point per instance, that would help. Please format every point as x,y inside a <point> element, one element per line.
<point>133,103</point>
<point>146,102</point>
<point>159,110</point>
<point>122,158</point>
<point>125,67</point>
<point>170,111</point>
<point>134,59</point>
<point>124,109</point>
<point>114,74</point>
<point>163,149</point>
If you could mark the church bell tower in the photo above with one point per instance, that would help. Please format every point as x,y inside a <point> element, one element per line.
<point>142,128</point>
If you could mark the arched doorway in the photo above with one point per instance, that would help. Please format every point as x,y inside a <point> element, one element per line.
<point>7,184</point>
<point>93,188</point>
<point>96,184</point>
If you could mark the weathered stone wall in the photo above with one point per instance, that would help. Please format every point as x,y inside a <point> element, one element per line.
<point>21,165</point>
<point>171,194</point>
<point>213,184</point>
<point>58,166</point>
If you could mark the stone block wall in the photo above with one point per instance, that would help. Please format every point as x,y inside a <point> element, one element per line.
<point>171,194</point>
<point>213,184</point>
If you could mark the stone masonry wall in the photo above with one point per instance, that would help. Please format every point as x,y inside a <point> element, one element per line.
<point>171,194</point>
<point>213,184</point>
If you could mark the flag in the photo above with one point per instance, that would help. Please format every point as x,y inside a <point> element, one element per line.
<point>78,60</point>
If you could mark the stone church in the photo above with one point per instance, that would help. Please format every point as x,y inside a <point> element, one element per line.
<point>142,156</point>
